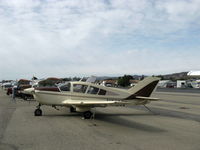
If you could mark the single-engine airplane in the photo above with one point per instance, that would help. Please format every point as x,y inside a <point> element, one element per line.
<point>82,96</point>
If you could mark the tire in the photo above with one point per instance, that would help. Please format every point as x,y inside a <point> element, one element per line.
<point>87,115</point>
<point>38,112</point>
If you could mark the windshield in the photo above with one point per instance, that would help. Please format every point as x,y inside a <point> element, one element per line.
<point>65,87</point>
<point>79,88</point>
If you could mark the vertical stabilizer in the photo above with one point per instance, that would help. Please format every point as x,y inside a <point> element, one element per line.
<point>144,87</point>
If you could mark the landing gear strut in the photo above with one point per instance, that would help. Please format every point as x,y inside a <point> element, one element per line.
<point>72,109</point>
<point>87,115</point>
<point>38,111</point>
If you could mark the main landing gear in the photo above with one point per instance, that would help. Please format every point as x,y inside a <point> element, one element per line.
<point>38,111</point>
<point>87,115</point>
<point>72,109</point>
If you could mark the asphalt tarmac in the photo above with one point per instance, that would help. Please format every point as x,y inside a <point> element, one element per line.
<point>179,90</point>
<point>173,124</point>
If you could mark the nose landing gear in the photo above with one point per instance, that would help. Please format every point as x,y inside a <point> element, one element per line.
<point>38,111</point>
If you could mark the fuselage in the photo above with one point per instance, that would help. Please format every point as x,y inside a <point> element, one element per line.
<point>77,91</point>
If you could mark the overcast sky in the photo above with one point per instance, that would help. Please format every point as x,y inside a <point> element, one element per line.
<point>64,38</point>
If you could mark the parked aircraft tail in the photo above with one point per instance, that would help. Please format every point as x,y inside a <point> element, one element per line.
<point>144,88</point>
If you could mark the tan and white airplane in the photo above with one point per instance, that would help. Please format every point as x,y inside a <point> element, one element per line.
<point>83,96</point>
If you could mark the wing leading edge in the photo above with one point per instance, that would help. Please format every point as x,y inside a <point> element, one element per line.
<point>138,100</point>
<point>89,102</point>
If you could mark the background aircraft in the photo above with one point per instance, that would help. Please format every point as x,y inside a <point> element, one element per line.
<point>194,73</point>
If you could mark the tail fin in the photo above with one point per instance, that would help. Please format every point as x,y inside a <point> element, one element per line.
<point>144,88</point>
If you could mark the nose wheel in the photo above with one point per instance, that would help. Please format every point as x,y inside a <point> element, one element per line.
<point>38,111</point>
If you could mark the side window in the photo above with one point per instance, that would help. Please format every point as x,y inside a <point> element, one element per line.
<point>65,87</point>
<point>79,88</point>
<point>93,90</point>
<point>102,92</point>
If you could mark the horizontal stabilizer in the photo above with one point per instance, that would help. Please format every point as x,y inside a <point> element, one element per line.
<point>147,98</point>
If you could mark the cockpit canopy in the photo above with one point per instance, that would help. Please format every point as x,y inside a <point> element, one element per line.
<point>83,88</point>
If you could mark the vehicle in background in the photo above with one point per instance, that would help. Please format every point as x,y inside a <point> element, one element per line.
<point>7,85</point>
<point>19,87</point>
<point>181,84</point>
<point>194,83</point>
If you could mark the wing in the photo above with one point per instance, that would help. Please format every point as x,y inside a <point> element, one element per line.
<point>92,103</point>
<point>138,100</point>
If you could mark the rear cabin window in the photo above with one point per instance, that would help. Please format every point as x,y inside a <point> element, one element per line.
<point>93,90</point>
<point>79,88</point>
<point>102,92</point>
<point>65,87</point>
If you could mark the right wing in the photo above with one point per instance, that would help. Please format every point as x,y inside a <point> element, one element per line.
<point>93,102</point>
<point>103,103</point>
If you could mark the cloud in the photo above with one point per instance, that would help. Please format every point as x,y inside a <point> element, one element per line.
<point>67,38</point>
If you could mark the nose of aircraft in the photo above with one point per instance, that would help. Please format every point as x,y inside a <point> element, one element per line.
<point>29,90</point>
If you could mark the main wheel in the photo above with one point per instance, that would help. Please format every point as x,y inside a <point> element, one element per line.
<point>38,112</point>
<point>87,115</point>
<point>72,109</point>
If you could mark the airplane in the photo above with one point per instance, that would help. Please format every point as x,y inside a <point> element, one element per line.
<point>83,96</point>
<point>194,73</point>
